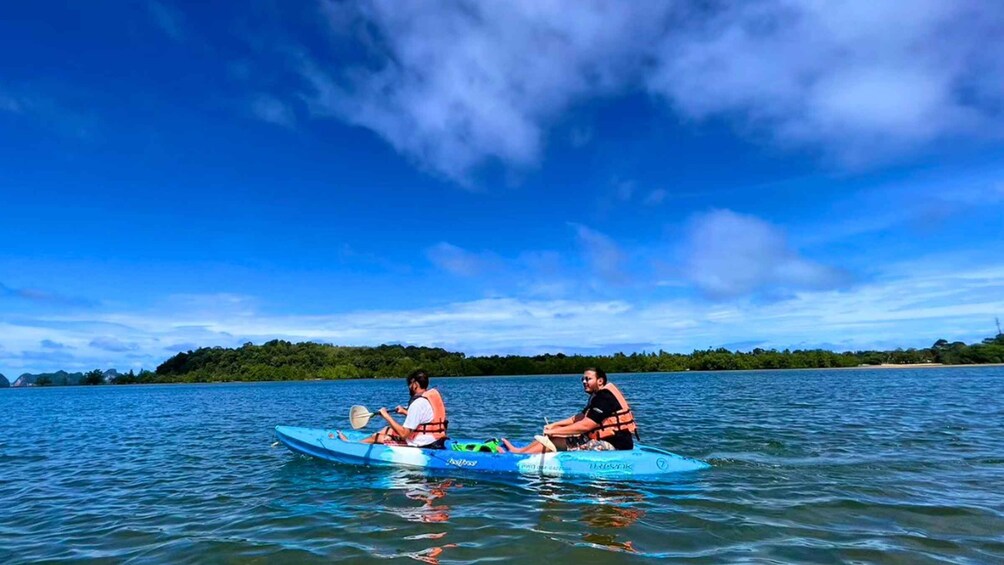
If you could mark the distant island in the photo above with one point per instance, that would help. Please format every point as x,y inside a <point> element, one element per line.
<point>280,360</point>
<point>62,378</point>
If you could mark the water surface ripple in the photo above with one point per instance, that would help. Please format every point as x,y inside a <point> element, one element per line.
<point>893,466</point>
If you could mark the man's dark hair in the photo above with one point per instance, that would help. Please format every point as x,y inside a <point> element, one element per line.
<point>600,374</point>
<point>419,376</point>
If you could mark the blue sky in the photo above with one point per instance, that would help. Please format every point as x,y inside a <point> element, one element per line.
<point>514,177</point>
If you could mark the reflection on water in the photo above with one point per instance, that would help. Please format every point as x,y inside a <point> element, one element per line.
<point>604,511</point>
<point>614,509</point>
<point>430,493</point>
<point>610,515</point>
<point>605,516</point>
<point>809,467</point>
<point>609,541</point>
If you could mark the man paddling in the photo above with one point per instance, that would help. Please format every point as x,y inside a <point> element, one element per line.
<point>605,424</point>
<point>425,418</point>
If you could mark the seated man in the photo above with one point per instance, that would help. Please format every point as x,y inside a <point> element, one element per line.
<point>606,423</point>
<point>425,418</point>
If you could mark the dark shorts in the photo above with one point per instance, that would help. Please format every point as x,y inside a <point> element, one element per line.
<point>386,437</point>
<point>581,443</point>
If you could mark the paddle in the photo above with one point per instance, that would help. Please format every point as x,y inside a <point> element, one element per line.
<point>359,416</point>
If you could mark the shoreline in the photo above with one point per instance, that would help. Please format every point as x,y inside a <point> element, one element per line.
<point>882,367</point>
<point>912,366</point>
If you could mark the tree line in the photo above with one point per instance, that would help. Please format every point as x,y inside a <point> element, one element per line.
<point>280,360</point>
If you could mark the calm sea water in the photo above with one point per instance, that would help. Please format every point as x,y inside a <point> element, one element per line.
<point>894,466</point>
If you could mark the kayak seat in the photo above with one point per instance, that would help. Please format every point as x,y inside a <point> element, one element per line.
<point>438,444</point>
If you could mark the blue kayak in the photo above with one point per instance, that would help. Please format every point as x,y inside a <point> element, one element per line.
<point>642,462</point>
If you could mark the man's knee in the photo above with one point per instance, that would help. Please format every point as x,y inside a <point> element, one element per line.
<point>386,435</point>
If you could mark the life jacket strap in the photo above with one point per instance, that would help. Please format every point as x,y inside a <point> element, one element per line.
<point>433,427</point>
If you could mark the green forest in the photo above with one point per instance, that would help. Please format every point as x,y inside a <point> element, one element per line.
<point>279,360</point>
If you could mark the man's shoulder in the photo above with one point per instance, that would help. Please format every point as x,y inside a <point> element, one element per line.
<point>419,412</point>
<point>604,395</point>
<point>607,400</point>
<point>421,404</point>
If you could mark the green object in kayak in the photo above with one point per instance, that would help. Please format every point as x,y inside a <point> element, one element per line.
<point>490,446</point>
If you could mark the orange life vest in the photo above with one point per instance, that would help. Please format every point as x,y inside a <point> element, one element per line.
<point>437,427</point>
<point>621,420</point>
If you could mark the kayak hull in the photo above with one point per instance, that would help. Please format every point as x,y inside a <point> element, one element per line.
<point>640,462</point>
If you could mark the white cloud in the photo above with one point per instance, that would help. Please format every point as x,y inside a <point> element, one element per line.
<point>861,81</point>
<point>455,86</point>
<point>909,304</point>
<point>459,261</point>
<point>730,254</point>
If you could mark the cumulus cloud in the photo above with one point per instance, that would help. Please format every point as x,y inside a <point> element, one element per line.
<point>457,85</point>
<point>730,254</point>
<point>859,80</point>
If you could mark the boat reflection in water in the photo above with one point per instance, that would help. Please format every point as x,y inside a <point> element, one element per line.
<point>430,494</point>
<point>609,516</point>
<point>594,513</point>
<point>612,510</point>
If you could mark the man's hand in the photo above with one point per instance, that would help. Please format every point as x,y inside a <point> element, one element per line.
<point>401,410</point>
<point>384,413</point>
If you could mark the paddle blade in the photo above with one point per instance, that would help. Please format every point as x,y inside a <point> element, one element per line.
<point>359,416</point>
